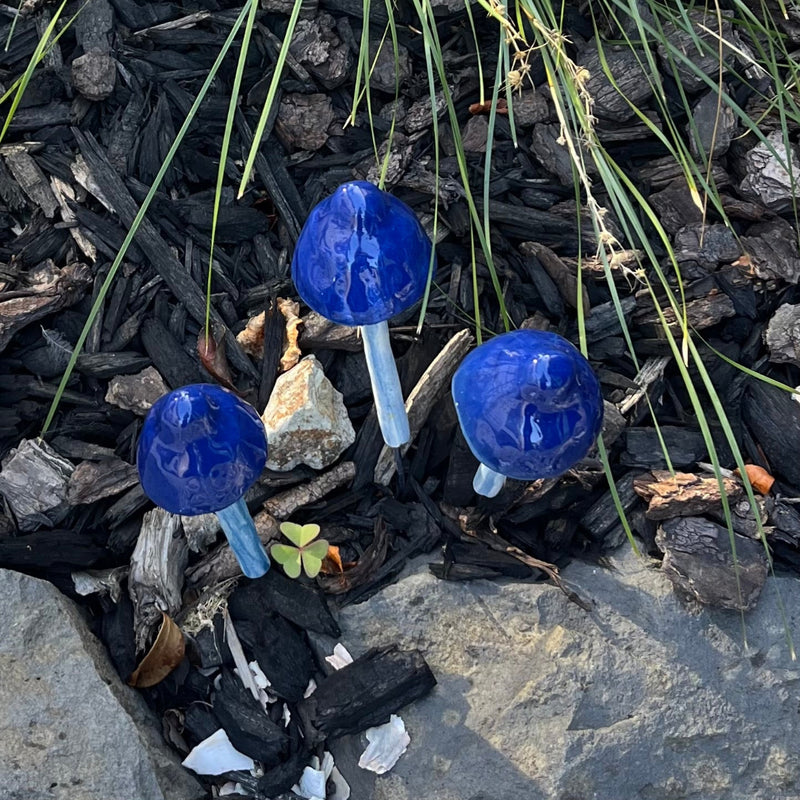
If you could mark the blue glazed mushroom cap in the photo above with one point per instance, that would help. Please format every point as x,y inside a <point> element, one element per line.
<point>529,404</point>
<point>200,450</point>
<point>362,256</point>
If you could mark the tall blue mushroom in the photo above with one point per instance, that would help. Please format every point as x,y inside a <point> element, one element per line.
<point>200,450</point>
<point>529,405</point>
<point>362,257</point>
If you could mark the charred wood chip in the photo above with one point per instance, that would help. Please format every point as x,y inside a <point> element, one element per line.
<point>317,46</point>
<point>50,548</point>
<point>682,494</point>
<point>701,313</point>
<point>116,630</point>
<point>199,723</point>
<point>168,356</point>
<point>773,417</point>
<point>771,251</point>
<point>274,593</point>
<point>602,516</point>
<point>700,562</point>
<point>284,776</point>
<point>783,335</point>
<point>108,365</point>
<point>365,693</point>
<point>684,447</point>
<point>613,98</point>
<point>282,652</point>
<point>714,126</point>
<point>708,245</point>
<point>706,57</point>
<point>48,289</point>
<point>93,480</point>
<point>303,121</point>
<point>250,730</point>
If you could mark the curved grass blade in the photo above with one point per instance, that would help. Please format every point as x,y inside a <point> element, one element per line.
<point>223,156</point>
<point>131,234</point>
<point>273,88</point>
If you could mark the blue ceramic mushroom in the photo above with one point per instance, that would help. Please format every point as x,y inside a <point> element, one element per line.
<point>362,257</point>
<point>529,405</point>
<point>200,450</point>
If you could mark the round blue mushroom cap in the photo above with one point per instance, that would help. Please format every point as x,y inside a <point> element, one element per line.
<point>200,450</point>
<point>529,404</point>
<point>362,256</point>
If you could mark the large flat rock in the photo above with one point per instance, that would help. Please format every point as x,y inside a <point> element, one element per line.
<point>69,728</point>
<point>538,699</point>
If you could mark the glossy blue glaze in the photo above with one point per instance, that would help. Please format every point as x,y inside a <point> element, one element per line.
<point>200,450</point>
<point>362,256</point>
<point>528,403</point>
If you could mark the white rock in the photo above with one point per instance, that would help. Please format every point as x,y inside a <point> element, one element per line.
<point>216,755</point>
<point>306,419</point>
<point>386,744</point>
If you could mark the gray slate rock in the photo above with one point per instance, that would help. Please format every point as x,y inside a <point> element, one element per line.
<point>69,729</point>
<point>642,698</point>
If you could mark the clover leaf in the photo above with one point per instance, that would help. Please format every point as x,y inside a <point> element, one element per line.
<point>305,555</point>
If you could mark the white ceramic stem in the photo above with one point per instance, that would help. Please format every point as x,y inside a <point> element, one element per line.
<point>243,539</point>
<point>385,384</point>
<point>487,482</point>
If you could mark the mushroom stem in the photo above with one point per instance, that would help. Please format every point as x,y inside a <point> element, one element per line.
<point>487,482</point>
<point>385,384</point>
<point>242,537</point>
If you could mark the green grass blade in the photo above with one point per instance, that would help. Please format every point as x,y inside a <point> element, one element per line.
<point>131,234</point>
<point>273,88</point>
<point>223,157</point>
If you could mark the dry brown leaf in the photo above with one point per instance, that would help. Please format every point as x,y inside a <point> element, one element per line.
<point>760,479</point>
<point>165,654</point>
<point>291,312</point>
<point>332,565</point>
<point>252,337</point>
<point>214,360</point>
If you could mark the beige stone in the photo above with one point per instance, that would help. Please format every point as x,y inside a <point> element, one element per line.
<point>306,419</point>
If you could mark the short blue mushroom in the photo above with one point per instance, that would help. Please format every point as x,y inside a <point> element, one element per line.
<point>529,405</point>
<point>361,258</point>
<point>200,450</point>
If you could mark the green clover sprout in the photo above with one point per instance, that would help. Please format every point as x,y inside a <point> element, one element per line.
<point>306,552</point>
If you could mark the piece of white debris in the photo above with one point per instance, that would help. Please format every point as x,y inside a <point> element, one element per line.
<point>262,681</point>
<point>231,788</point>
<point>216,755</point>
<point>386,744</point>
<point>287,716</point>
<point>340,658</point>
<point>311,785</point>
<point>796,394</point>
<point>341,788</point>
<point>311,688</point>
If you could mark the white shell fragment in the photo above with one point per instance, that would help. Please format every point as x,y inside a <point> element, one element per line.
<point>216,755</point>
<point>312,784</point>
<point>386,744</point>
<point>341,790</point>
<point>340,658</point>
